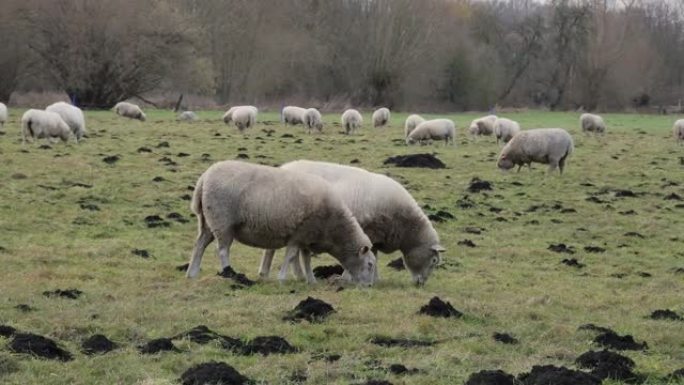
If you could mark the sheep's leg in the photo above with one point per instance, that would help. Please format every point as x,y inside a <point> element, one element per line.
<point>266,261</point>
<point>224,242</point>
<point>297,267</point>
<point>376,274</point>
<point>553,164</point>
<point>306,257</point>
<point>561,164</point>
<point>291,253</point>
<point>204,238</point>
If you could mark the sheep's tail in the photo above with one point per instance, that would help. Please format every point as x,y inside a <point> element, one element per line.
<point>196,203</point>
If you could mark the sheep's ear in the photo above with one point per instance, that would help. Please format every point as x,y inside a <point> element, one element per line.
<point>363,250</point>
<point>438,248</point>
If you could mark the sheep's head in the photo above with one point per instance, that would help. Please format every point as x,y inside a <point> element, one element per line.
<point>410,140</point>
<point>473,129</point>
<point>362,266</point>
<point>142,117</point>
<point>505,163</point>
<point>421,260</point>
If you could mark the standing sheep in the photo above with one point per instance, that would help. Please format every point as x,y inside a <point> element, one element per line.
<point>313,120</point>
<point>678,131</point>
<point>482,126</point>
<point>38,124</point>
<point>244,117</point>
<point>3,115</point>
<point>387,213</point>
<point>592,123</point>
<point>72,116</point>
<point>351,120</point>
<point>293,115</point>
<point>228,116</point>
<point>381,117</point>
<point>187,116</point>
<point>437,129</point>
<point>270,208</point>
<point>129,110</point>
<point>504,129</point>
<point>544,145</point>
<point>411,123</point>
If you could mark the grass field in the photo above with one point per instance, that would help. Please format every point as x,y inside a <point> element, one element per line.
<point>70,220</point>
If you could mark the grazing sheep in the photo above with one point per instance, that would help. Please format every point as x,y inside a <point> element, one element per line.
<point>38,124</point>
<point>72,116</point>
<point>293,115</point>
<point>678,131</point>
<point>187,116</point>
<point>504,129</point>
<point>411,123</point>
<point>3,115</point>
<point>387,213</point>
<point>592,123</point>
<point>544,145</point>
<point>381,117</point>
<point>351,120</point>
<point>437,129</point>
<point>270,208</point>
<point>482,126</point>
<point>129,110</point>
<point>313,120</point>
<point>228,116</point>
<point>244,117</point>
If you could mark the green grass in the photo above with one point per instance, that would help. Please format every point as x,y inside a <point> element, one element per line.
<point>509,283</point>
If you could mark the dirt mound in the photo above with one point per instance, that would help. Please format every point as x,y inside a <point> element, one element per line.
<point>467,243</point>
<point>24,308</point>
<point>438,308</point>
<point>7,331</point>
<point>375,382</point>
<point>324,272</point>
<point>573,262</point>
<point>238,278</point>
<point>594,249</point>
<point>615,341</point>
<point>473,230</point>
<point>142,253</point>
<point>213,373</point>
<point>111,159</point>
<point>97,344</point>
<point>606,364</point>
<point>505,338</point>
<point>490,377</point>
<point>400,369</point>
<point>634,234</point>
<point>415,160</point>
<point>400,342</point>
<point>676,375</point>
<point>673,197</point>
<point>38,346</point>
<point>397,264</point>
<point>183,267</point>
<point>199,334</point>
<point>553,375</point>
<point>561,248</point>
<point>153,221</point>
<point>595,328</point>
<point>310,309</point>
<point>477,185</point>
<point>666,314</point>
<point>158,345</point>
<point>68,293</point>
<point>266,345</point>
<point>177,217</point>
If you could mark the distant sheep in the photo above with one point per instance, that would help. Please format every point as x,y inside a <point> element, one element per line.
<point>549,146</point>
<point>313,120</point>
<point>592,123</point>
<point>411,123</point>
<point>244,117</point>
<point>39,124</point>
<point>352,121</point>
<point>3,115</point>
<point>270,208</point>
<point>504,129</point>
<point>482,126</point>
<point>381,117</point>
<point>129,110</point>
<point>678,131</point>
<point>293,115</point>
<point>72,116</point>
<point>187,116</point>
<point>228,116</point>
<point>437,129</point>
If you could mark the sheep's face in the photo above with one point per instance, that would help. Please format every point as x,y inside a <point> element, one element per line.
<point>505,163</point>
<point>319,126</point>
<point>410,141</point>
<point>421,260</point>
<point>473,129</point>
<point>141,117</point>
<point>362,266</point>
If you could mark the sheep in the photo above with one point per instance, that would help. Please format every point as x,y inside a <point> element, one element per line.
<point>678,131</point>
<point>270,208</point>
<point>244,117</point>
<point>313,120</point>
<point>381,117</point>
<point>411,123</point>
<point>437,129</point>
<point>72,116</point>
<point>592,123</point>
<point>3,115</point>
<point>129,110</point>
<point>544,145</point>
<point>387,213</point>
<point>504,129</point>
<point>482,126</point>
<point>38,124</point>
<point>187,116</point>
<point>228,116</point>
<point>293,115</point>
<point>351,120</point>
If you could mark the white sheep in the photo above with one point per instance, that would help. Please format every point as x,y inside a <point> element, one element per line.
<point>293,115</point>
<point>549,146</point>
<point>187,116</point>
<point>3,115</point>
<point>129,110</point>
<point>387,213</point>
<point>39,124</point>
<point>592,123</point>
<point>244,117</point>
<point>482,126</point>
<point>313,120</point>
<point>72,116</point>
<point>381,117</point>
<point>228,116</point>
<point>678,131</point>
<point>351,120</point>
<point>411,123</point>
<point>437,129</point>
<point>270,208</point>
<point>504,129</point>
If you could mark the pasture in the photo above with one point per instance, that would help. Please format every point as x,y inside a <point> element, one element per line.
<point>72,217</point>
